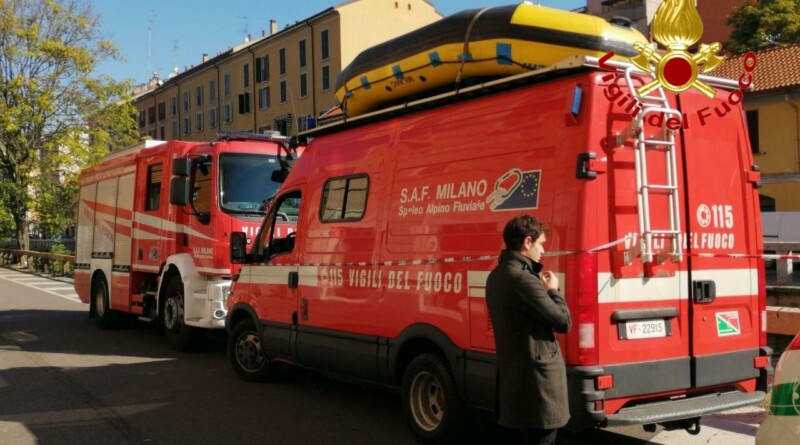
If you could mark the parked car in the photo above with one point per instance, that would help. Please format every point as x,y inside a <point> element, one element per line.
<point>782,425</point>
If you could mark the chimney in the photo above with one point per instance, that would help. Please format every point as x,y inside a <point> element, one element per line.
<point>205,57</point>
<point>273,26</point>
<point>247,38</point>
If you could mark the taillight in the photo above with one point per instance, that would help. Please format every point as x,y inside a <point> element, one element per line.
<point>795,344</point>
<point>582,340</point>
<point>762,301</point>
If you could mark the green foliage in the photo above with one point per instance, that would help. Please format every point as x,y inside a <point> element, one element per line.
<point>763,24</point>
<point>56,116</point>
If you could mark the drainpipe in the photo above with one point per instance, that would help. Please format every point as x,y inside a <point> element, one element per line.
<point>218,96</point>
<point>797,126</point>
<point>313,69</point>
<point>253,86</point>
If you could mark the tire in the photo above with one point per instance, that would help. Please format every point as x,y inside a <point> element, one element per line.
<point>179,336</point>
<point>104,316</point>
<point>246,354</point>
<point>434,410</point>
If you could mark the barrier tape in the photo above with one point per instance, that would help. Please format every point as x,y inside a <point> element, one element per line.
<point>480,258</point>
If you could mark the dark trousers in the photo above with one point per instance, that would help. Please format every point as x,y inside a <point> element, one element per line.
<point>533,436</point>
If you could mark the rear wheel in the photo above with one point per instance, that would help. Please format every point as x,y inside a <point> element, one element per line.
<point>246,354</point>
<point>433,408</point>
<point>104,316</point>
<point>179,336</point>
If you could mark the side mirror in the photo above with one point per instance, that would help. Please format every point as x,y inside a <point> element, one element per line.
<point>238,248</point>
<point>180,191</point>
<point>181,167</point>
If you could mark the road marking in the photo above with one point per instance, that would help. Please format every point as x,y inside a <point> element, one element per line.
<point>42,284</point>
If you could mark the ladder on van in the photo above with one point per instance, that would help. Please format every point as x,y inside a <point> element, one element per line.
<point>655,102</point>
<point>652,104</point>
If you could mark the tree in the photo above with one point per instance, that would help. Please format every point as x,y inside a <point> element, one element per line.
<point>56,116</point>
<point>763,24</point>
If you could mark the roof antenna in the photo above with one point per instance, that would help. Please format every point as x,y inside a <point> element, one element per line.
<point>149,40</point>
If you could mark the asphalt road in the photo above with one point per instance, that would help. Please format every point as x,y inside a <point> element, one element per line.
<point>64,381</point>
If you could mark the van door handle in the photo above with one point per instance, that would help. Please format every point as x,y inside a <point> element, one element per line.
<point>704,291</point>
<point>294,279</point>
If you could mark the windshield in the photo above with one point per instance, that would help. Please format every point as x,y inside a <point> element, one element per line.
<point>245,182</point>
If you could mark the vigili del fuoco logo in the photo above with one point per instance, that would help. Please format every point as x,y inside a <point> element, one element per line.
<point>677,26</point>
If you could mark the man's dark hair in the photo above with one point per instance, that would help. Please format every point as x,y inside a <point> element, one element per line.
<point>521,226</point>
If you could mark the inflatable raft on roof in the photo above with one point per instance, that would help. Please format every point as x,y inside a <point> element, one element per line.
<point>475,45</point>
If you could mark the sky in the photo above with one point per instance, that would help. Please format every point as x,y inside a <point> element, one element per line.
<point>158,35</point>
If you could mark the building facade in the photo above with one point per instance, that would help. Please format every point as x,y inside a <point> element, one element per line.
<point>281,81</point>
<point>773,117</point>
<point>714,13</point>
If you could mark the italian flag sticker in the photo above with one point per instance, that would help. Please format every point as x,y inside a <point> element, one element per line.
<point>728,323</point>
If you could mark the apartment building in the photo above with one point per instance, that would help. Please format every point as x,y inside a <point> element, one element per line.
<point>279,81</point>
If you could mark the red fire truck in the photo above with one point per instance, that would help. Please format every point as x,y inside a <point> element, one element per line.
<point>137,254</point>
<point>655,232</point>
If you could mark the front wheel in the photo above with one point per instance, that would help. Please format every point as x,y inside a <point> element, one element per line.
<point>180,336</point>
<point>246,354</point>
<point>104,316</point>
<point>432,406</point>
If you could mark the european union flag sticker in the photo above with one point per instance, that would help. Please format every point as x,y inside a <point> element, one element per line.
<point>516,190</point>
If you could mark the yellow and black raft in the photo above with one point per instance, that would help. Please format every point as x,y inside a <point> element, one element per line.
<point>475,45</point>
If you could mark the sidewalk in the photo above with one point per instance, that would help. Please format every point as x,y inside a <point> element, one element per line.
<point>734,427</point>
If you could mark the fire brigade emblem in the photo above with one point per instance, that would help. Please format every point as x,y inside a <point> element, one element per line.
<point>677,26</point>
<point>516,189</point>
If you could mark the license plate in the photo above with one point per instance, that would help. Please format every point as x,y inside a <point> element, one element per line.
<point>645,329</point>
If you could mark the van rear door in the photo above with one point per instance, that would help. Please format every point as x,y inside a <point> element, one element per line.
<point>722,223</point>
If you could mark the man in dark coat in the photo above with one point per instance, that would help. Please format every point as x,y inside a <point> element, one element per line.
<point>526,309</point>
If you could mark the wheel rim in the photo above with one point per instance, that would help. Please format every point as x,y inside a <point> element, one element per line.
<point>100,300</point>
<point>248,352</point>
<point>173,312</point>
<point>427,401</point>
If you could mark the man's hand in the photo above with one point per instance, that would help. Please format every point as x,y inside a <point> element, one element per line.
<point>550,280</point>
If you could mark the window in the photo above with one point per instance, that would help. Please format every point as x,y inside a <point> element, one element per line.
<point>153,187</point>
<point>163,131</point>
<point>283,91</point>
<point>186,101</point>
<point>326,78</point>
<point>262,69</point>
<point>263,98</point>
<point>226,82</point>
<point>187,124</point>
<point>282,124</point>
<point>246,75</point>
<point>303,85</point>
<point>305,122</point>
<point>324,44</point>
<point>198,121</point>
<point>142,118</point>
<point>162,111</point>
<point>201,196</point>
<point>174,105</point>
<point>227,113</point>
<point>752,129</point>
<point>212,117</point>
<point>198,95</point>
<point>212,90</point>
<point>270,243</point>
<point>175,133</point>
<point>344,199</point>
<point>151,115</point>
<point>282,61</point>
<point>244,103</point>
<point>302,53</point>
